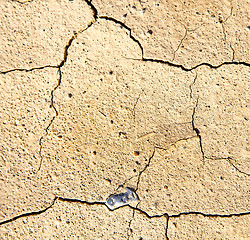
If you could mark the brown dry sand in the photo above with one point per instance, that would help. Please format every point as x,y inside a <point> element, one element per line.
<point>97,96</point>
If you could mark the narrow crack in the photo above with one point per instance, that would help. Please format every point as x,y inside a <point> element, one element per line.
<point>59,66</point>
<point>190,86</point>
<point>166,232</point>
<point>135,59</point>
<point>229,160</point>
<point>233,57</point>
<point>197,130</point>
<point>95,16</point>
<point>149,161</point>
<point>180,42</point>
<point>52,98</point>
<point>212,215</point>
<point>142,212</point>
<point>34,213</point>
<point>65,55</point>
<point>122,184</point>
<point>189,213</point>
<point>174,143</point>
<point>136,102</point>
<point>136,209</point>
<point>224,30</point>
<point>130,233</point>
<point>185,35</point>
<point>63,199</point>
<point>66,49</point>
<point>51,121</point>
<point>127,28</point>
<point>190,69</point>
<point>144,169</point>
<point>95,12</point>
<point>93,8</point>
<point>40,152</point>
<point>27,70</point>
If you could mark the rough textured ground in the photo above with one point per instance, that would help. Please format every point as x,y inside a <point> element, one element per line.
<point>97,96</point>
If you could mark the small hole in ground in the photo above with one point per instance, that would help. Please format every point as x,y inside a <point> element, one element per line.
<point>137,153</point>
<point>150,32</point>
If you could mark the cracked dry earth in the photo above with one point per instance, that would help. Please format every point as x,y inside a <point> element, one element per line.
<point>98,96</point>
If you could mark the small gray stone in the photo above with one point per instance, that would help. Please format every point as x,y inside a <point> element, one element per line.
<point>121,199</point>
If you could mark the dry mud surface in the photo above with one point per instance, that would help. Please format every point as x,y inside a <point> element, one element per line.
<point>102,96</point>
